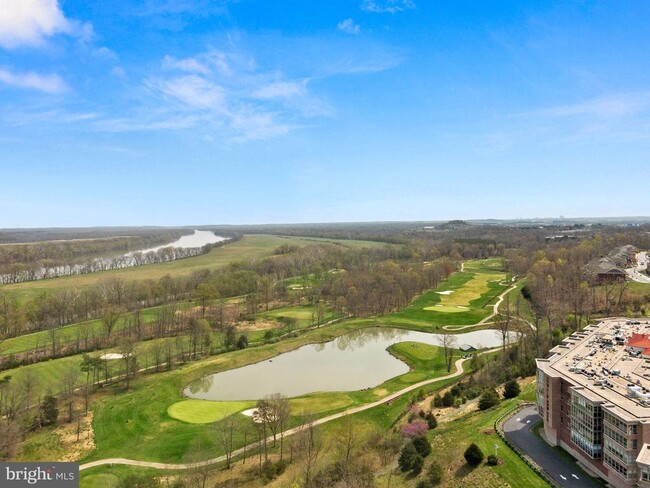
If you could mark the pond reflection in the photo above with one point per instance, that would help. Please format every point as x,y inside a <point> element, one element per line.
<point>354,361</point>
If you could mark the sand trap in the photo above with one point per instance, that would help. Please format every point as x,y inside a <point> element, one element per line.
<point>249,413</point>
<point>111,355</point>
<point>461,306</point>
<point>252,412</point>
<point>446,292</point>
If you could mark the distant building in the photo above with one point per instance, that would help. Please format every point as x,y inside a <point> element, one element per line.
<point>466,348</point>
<point>611,268</point>
<point>624,256</point>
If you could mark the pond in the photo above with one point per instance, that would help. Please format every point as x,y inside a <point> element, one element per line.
<point>354,361</point>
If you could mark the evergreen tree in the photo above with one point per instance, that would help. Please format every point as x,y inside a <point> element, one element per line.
<point>473,455</point>
<point>511,389</point>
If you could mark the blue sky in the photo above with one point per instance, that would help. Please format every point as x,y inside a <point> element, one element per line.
<point>180,112</point>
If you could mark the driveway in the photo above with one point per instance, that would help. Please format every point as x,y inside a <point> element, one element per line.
<point>565,473</point>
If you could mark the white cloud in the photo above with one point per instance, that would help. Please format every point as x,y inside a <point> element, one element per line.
<point>119,72</point>
<point>105,53</point>
<point>607,107</point>
<point>29,22</point>
<point>188,65</point>
<point>281,89</point>
<point>45,83</point>
<point>387,6</point>
<point>194,91</point>
<point>348,26</point>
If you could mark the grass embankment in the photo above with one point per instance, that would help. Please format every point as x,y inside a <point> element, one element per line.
<point>249,247</point>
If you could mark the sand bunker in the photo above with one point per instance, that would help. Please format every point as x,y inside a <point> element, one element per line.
<point>446,292</point>
<point>111,355</point>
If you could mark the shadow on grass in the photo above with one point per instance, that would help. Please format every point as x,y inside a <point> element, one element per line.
<point>463,470</point>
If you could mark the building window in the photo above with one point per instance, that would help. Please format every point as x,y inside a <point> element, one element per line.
<point>615,465</point>
<point>586,425</point>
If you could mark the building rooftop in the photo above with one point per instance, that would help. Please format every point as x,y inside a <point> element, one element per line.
<point>602,363</point>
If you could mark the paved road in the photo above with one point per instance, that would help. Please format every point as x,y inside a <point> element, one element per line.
<point>566,473</point>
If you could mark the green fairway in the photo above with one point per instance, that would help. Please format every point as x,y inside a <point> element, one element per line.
<point>461,299</point>
<point>304,315</point>
<point>249,247</point>
<point>473,291</point>
<point>204,411</point>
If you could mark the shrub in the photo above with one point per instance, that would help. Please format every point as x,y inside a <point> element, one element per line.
<point>410,460</point>
<point>511,389</point>
<point>448,399</point>
<point>418,464</point>
<point>422,445</point>
<point>49,410</point>
<point>488,399</point>
<point>436,402</point>
<point>473,455</point>
<point>492,460</point>
<point>432,421</point>
<point>424,484</point>
<point>434,474</point>
<point>242,342</point>
<point>414,429</point>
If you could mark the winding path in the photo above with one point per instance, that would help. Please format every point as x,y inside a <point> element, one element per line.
<point>150,464</point>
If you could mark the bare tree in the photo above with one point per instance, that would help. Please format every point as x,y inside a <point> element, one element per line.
<point>68,385</point>
<point>224,431</point>
<point>310,447</point>
<point>109,318</point>
<point>448,343</point>
<point>196,455</point>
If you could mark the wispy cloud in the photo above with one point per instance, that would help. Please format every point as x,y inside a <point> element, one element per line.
<point>609,106</point>
<point>223,93</point>
<point>281,89</point>
<point>348,26</point>
<point>192,91</point>
<point>30,22</point>
<point>33,81</point>
<point>387,6</point>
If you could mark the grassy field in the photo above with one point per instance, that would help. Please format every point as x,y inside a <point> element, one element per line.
<point>304,315</point>
<point>249,247</point>
<point>205,412</point>
<point>475,288</point>
<point>71,332</point>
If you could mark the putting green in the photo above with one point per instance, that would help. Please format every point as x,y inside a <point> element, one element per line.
<point>461,298</point>
<point>205,411</point>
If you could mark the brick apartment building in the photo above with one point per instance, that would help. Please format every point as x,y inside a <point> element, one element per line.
<point>593,393</point>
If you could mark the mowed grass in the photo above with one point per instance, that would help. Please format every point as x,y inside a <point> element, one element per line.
<point>204,411</point>
<point>476,288</point>
<point>462,298</point>
<point>304,315</point>
<point>249,247</point>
